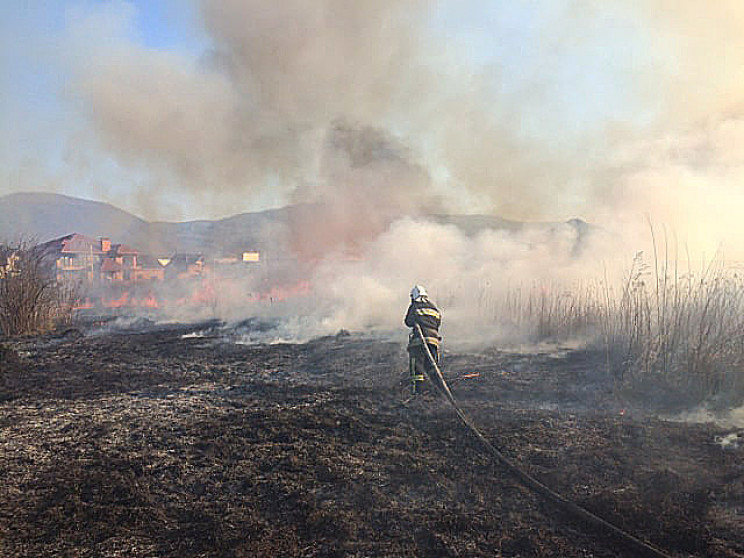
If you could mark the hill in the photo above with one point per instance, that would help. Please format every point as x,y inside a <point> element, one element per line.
<point>45,216</point>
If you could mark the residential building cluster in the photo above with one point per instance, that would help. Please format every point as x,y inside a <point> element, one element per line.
<point>92,261</point>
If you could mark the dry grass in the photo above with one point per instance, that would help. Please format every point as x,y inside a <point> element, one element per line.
<point>685,329</point>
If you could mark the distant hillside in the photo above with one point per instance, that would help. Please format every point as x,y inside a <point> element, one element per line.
<point>47,216</point>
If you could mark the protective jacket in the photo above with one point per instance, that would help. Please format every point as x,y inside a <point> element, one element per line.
<point>424,312</point>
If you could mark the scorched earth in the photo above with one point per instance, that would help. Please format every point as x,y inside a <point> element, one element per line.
<point>177,440</point>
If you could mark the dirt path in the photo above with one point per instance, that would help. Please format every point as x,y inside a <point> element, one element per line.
<point>176,441</point>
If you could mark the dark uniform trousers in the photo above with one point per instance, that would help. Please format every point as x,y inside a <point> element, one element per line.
<point>424,313</point>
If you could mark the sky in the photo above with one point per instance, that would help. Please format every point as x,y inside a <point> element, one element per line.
<point>624,111</point>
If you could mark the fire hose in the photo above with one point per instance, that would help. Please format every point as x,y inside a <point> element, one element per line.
<point>646,549</point>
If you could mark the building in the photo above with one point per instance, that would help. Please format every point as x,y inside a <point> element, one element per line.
<point>76,257</point>
<point>81,258</point>
<point>148,268</point>
<point>8,261</point>
<point>185,265</point>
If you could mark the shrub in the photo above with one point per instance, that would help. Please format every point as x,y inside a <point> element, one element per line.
<point>31,299</point>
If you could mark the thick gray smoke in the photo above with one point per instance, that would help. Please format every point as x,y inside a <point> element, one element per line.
<point>368,182</point>
<point>288,81</point>
<point>258,117</point>
<point>369,113</point>
<point>468,276</point>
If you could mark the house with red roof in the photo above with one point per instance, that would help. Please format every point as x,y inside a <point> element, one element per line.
<point>81,258</point>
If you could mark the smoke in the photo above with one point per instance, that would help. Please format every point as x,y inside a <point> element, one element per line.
<point>462,274</point>
<point>684,167</point>
<point>272,111</point>
<point>367,291</point>
<point>373,115</point>
<point>256,113</point>
<point>368,182</point>
<point>728,418</point>
<point>609,112</point>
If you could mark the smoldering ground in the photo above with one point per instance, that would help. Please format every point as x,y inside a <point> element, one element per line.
<point>168,441</point>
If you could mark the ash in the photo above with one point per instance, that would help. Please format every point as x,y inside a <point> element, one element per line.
<point>146,439</point>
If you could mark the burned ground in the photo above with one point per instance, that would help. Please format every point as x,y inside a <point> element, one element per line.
<point>178,441</point>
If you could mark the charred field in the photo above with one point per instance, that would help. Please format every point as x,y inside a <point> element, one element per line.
<point>178,440</point>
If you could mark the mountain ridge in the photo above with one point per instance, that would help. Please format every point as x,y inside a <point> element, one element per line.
<point>44,216</point>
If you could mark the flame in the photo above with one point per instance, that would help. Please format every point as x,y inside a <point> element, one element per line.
<point>120,302</point>
<point>150,301</point>
<point>206,293</point>
<point>81,304</point>
<point>281,293</point>
<point>125,300</point>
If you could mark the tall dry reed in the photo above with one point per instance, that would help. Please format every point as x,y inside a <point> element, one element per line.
<point>685,328</point>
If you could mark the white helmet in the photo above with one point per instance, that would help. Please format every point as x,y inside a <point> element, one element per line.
<point>417,292</point>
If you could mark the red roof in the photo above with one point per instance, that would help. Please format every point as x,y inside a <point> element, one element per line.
<point>71,244</point>
<point>110,265</point>
<point>79,243</point>
<point>121,249</point>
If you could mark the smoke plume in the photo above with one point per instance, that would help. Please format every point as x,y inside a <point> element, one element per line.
<point>276,105</point>
<point>373,115</point>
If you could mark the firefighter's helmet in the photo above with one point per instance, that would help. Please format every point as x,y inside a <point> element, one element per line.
<point>417,292</point>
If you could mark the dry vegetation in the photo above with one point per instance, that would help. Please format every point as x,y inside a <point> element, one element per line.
<point>682,329</point>
<point>32,301</point>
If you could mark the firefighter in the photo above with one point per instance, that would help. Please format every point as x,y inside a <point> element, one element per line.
<point>425,313</point>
